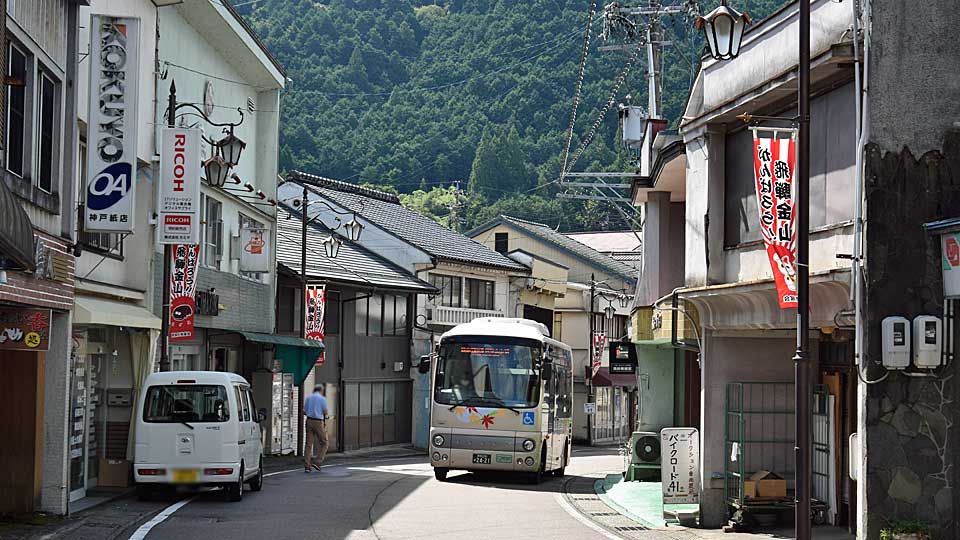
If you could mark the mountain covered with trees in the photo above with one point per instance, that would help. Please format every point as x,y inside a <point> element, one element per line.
<point>461,106</point>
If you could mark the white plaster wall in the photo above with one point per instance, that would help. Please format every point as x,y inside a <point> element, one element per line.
<point>750,263</point>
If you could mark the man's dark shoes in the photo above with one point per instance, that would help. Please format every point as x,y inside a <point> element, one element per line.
<point>315,466</point>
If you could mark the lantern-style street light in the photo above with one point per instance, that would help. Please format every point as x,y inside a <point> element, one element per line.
<point>353,228</point>
<point>331,246</point>
<point>229,148</point>
<point>723,29</point>
<point>217,171</point>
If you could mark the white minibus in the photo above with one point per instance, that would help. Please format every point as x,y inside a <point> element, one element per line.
<point>197,428</point>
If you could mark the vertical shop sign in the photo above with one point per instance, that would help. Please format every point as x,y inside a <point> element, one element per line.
<point>112,124</point>
<point>599,340</point>
<point>950,252</point>
<point>680,465</point>
<point>183,287</point>
<point>255,250</point>
<point>178,197</point>
<point>314,315</point>
<point>774,162</point>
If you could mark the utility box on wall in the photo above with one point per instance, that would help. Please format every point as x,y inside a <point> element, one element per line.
<point>896,342</point>
<point>927,341</point>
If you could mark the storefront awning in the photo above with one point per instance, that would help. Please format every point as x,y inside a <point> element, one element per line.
<point>16,232</point>
<point>605,378</point>
<point>297,354</point>
<point>90,310</point>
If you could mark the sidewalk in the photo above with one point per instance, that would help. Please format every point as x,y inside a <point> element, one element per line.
<point>111,512</point>
<point>642,503</point>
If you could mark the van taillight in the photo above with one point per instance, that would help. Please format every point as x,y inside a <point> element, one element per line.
<point>217,472</point>
<point>151,472</point>
<point>186,381</point>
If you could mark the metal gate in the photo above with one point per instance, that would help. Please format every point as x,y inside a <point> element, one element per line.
<point>823,449</point>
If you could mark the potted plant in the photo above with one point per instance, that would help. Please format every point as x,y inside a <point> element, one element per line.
<point>905,529</point>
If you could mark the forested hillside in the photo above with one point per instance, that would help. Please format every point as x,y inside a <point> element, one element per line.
<point>418,94</point>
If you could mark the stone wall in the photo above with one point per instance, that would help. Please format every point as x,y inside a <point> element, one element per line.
<point>911,442</point>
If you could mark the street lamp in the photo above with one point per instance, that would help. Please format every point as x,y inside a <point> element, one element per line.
<point>331,246</point>
<point>723,37</point>
<point>229,149</point>
<point>353,228</point>
<point>217,171</point>
<point>723,28</point>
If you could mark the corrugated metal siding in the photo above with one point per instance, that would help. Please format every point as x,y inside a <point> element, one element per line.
<point>45,21</point>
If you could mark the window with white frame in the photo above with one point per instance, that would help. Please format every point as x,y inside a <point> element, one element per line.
<point>212,230</point>
<point>16,109</point>
<point>247,222</point>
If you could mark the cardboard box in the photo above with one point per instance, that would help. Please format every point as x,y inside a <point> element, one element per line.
<point>114,473</point>
<point>764,484</point>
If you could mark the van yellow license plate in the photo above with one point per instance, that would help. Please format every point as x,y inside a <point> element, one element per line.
<point>184,476</point>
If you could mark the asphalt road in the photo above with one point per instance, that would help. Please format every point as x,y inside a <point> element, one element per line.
<point>394,499</point>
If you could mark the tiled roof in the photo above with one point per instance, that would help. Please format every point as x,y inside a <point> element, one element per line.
<point>384,210</point>
<point>608,241</point>
<point>354,264</point>
<point>581,251</point>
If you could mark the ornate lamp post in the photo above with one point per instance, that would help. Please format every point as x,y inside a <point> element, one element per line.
<point>723,29</point>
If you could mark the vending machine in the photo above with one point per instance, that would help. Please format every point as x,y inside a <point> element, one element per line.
<point>273,391</point>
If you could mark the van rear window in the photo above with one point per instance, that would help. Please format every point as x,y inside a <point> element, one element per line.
<point>174,403</point>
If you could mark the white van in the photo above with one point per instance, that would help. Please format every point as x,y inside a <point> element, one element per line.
<point>197,428</point>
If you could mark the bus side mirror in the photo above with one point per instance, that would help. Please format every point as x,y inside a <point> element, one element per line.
<point>546,371</point>
<point>424,366</point>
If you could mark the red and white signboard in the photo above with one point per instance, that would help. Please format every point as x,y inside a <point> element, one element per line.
<point>255,250</point>
<point>774,162</point>
<point>178,199</point>
<point>183,287</point>
<point>314,315</point>
<point>599,341</point>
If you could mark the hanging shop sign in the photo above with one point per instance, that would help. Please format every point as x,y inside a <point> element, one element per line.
<point>950,249</point>
<point>315,314</point>
<point>680,465</point>
<point>255,249</point>
<point>112,124</point>
<point>774,165</point>
<point>24,329</point>
<point>599,340</point>
<point>183,287</point>
<point>623,358</point>
<point>178,200</point>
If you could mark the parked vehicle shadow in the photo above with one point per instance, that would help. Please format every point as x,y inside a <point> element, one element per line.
<point>512,481</point>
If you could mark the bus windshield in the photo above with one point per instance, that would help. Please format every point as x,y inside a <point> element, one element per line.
<point>500,374</point>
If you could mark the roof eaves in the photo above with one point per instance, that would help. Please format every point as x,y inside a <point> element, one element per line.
<point>256,38</point>
<point>532,229</point>
<point>339,185</point>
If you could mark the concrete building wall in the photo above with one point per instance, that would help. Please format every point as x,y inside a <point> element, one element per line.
<point>730,358</point>
<point>656,397</point>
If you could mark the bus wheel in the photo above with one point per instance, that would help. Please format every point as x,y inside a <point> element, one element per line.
<point>440,473</point>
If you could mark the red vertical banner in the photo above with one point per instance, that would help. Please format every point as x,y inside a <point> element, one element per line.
<point>183,287</point>
<point>774,161</point>
<point>316,299</point>
<point>599,340</point>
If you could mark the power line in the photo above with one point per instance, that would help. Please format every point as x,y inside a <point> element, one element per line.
<point>579,87</point>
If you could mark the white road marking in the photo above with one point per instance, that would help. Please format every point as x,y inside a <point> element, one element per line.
<point>141,533</point>
<point>562,501</point>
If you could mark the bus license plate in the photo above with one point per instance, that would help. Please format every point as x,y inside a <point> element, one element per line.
<point>481,459</point>
<point>184,476</point>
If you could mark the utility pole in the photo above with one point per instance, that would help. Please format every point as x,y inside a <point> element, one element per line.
<point>591,354</point>
<point>167,250</point>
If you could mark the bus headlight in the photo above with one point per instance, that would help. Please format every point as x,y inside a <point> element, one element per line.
<point>528,462</point>
<point>438,440</point>
<point>528,445</point>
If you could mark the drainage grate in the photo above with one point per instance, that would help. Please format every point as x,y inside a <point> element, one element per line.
<point>631,528</point>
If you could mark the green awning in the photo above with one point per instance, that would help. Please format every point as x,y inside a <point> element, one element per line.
<point>297,354</point>
<point>661,343</point>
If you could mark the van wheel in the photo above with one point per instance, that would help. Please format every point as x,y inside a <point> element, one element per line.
<point>256,483</point>
<point>440,474</point>
<point>235,491</point>
<point>144,492</point>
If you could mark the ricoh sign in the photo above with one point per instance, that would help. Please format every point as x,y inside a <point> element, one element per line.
<point>178,201</point>
<point>112,124</point>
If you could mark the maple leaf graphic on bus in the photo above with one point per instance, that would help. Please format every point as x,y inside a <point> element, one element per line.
<point>472,410</point>
<point>487,421</point>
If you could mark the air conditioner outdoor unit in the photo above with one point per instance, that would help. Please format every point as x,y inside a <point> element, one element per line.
<point>644,447</point>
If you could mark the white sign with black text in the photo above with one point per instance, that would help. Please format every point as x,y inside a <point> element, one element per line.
<point>255,250</point>
<point>680,465</point>
<point>178,200</point>
<point>112,124</point>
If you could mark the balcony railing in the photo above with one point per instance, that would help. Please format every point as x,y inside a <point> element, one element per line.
<point>452,316</point>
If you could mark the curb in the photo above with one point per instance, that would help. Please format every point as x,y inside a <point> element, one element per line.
<point>601,487</point>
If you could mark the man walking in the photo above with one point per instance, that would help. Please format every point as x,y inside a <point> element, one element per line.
<point>316,410</point>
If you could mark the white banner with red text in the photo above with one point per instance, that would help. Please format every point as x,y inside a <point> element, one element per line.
<point>774,160</point>
<point>314,315</point>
